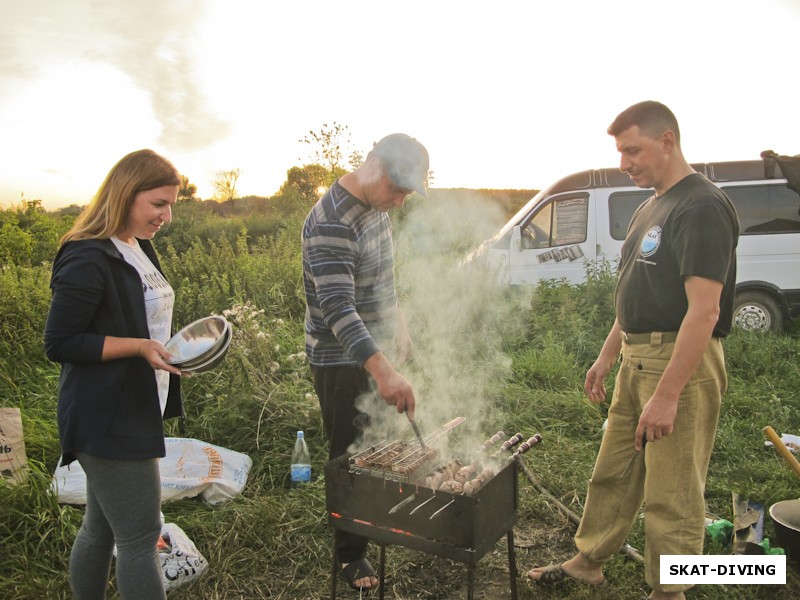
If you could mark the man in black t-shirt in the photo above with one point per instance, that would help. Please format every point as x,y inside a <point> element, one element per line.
<point>688,231</point>
<point>674,301</point>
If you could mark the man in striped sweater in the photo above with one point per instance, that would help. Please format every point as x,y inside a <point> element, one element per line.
<point>355,330</point>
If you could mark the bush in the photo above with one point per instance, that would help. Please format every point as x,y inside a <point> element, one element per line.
<point>579,315</point>
<point>24,303</point>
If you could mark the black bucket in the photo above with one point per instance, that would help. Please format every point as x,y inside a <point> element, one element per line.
<point>786,519</point>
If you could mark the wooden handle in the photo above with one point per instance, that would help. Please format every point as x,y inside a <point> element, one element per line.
<point>782,449</point>
<point>444,429</point>
<point>527,445</point>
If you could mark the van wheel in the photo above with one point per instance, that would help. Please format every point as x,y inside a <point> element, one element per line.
<point>757,311</point>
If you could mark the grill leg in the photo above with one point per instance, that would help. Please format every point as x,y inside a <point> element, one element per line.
<point>333,568</point>
<point>471,582</point>
<point>512,563</point>
<point>382,568</point>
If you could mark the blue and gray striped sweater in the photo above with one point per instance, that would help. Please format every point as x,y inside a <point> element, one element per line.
<point>351,304</point>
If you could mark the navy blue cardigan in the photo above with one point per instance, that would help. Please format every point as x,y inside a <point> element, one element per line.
<point>106,409</point>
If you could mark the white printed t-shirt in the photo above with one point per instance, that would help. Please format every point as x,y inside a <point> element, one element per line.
<point>159,299</point>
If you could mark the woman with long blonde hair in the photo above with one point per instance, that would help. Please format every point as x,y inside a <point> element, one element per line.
<point>109,318</point>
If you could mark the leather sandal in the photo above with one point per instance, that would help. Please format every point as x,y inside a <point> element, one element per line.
<point>358,569</point>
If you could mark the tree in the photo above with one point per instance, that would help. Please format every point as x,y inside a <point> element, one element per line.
<point>356,159</point>
<point>187,189</point>
<point>306,182</point>
<point>329,146</point>
<point>225,184</point>
<point>73,210</point>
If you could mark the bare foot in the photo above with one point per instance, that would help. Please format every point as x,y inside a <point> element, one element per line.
<point>577,568</point>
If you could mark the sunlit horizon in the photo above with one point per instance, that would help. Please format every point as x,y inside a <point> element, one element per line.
<point>504,96</point>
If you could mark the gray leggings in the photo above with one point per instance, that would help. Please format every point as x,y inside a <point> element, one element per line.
<point>123,506</point>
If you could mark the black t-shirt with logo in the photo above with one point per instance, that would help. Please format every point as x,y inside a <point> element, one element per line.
<point>691,230</point>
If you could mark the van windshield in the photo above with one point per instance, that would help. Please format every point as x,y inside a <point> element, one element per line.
<point>521,213</point>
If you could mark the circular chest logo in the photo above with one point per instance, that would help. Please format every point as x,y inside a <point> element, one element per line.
<point>651,241</point>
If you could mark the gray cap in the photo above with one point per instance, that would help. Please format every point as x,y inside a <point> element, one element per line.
<point>405,160</point>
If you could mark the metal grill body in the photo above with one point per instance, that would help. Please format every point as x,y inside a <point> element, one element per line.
<point>358,500</point>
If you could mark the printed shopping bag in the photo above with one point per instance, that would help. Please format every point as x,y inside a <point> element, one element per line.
<point>13,460</point>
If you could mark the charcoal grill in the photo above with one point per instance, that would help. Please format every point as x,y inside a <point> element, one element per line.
<point>360,495</point>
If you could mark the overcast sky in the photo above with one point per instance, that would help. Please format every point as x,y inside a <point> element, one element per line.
<point>503,94</point>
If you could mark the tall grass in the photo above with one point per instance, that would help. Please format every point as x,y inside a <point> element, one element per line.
<point>274,541</point>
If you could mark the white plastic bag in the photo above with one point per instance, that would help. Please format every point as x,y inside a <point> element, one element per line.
<point>193,467</point>
<point>181,562</point>
<point>792,442</point>
<point>190,468</point>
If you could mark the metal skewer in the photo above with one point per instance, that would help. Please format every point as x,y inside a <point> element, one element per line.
<point>417,432</point>
<point>508,444</point>
<point>526,445</point>
<point>400,505</point>
<point>633,458</point>
<point>492,441</point>
<point>416,508</point>
<point>436,514</point>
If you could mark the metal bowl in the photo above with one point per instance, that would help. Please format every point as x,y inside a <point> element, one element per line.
<point>206,357</point>
<point>198,341</point>
<point>213,361</point>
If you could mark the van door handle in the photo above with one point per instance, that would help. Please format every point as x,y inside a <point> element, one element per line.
<point>598,249</point>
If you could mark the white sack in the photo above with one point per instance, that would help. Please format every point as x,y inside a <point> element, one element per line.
<point>190,468</point>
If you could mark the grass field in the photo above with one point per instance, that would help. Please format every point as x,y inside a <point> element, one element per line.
<point>506,360</point>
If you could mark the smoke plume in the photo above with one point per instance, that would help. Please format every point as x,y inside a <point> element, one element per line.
<point>454,316</point>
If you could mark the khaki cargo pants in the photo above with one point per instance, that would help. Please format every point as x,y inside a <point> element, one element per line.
<point>670,476</point>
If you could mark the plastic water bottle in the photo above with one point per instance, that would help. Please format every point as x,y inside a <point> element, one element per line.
<point>301,461</point>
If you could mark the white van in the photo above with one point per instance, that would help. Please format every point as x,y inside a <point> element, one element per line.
<point>585,216</point>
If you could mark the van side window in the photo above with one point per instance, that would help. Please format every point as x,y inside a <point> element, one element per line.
<point>772,208</point>
<point>561,222</point>
<point>621,206</point>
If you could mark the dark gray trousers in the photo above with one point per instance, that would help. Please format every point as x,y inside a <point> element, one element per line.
<point>123,507</point>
